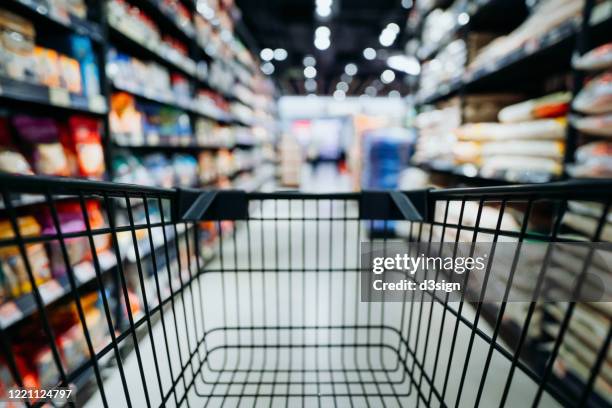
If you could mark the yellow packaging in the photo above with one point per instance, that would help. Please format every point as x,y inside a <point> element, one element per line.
<point>14,265</point>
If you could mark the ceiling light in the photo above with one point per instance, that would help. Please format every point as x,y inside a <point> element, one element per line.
<point>386,38</point>
<point>324,11</point>
<point>310,85</point>
<point>322,43</point>
<point>267,68</point>
<point>322,31</point>
<point>407,4</point>
<point>343,86</point>
<point>387,76</point>
<point>309,61</point>
<point>369,53</point>
<point>463,18</point>
<point>394,28</point>
<point>310,72</point>
<point>350,69</point>
<point>266,54</point>
<point>404,63</point>
<point>339,95</point>
<point>394,94</point>
<point>280,54</point>
<point>323,7</point>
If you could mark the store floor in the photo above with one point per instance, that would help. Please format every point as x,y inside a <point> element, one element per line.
<point>260,303</point>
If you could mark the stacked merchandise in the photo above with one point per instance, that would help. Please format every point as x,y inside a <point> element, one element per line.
<point>45,146</point>
<point>148,79</point>
<point>436,138</point>
<point>450,62</point>
<point>593,120</point>
<point>138,26</point>
<point>134,123</point>
<point>75,71</point>
<point>438,146</point>
<point>546,16</point>
<point>33,355</point>
<point>527,144</point>
<point>156,169</point>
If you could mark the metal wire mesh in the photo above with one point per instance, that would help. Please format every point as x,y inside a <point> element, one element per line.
<point>276,319</point>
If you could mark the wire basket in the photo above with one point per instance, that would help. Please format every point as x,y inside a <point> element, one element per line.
<point>275,317</point>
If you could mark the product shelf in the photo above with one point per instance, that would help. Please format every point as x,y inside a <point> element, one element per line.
<point>38,10</point>
<point>138,49</point>
<point>16,310</point>
<point>536,58</point>
<point>207,112</point>
<point>25,92</point>
<point>174,148</point>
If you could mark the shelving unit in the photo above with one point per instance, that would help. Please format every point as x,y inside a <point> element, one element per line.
<point>31,98</point>
<point>538,58</point>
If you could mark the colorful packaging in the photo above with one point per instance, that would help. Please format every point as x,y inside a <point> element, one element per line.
<point>13,265</point>
<point>16,47</point>
<point>85,141</point>
<point>47,67</point>
<point>82,50</point>
<point>596,59</point>
<point>70,77</point>
<point>71,221</point>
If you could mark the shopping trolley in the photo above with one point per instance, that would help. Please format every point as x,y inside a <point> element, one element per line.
<point>227,298</point>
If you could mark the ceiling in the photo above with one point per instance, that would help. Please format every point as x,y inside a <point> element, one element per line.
<point>354,25</point>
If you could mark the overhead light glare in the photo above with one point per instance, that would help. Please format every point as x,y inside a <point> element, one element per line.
<point>369,53</point>
<point>280,54</point>
<point>310,72</point>
<point>387,76</point>
<point>350,69</point>
<point>266,54</point>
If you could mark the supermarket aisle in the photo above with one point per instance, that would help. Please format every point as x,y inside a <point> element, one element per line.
<point>325,177</point>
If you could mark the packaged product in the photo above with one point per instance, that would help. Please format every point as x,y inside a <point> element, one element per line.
<point>47,67</point>
<point>596,96</point>
<point>599,125</point>
<point>70,221</point>
<point>42,134</point>
<point>77,8</point>
<point>550,129</point>
<point>70,78</point>
<point>596,59</point>
<point>160,169</point>
<point>85,141</point>
<point>126,122</point>
<point>186,169</point>
<point>13,265</point>
<point>550,106</point>
<point>82,49</point>
<point>593,160</point>
<point>16,47</point>
<point>11,160</point>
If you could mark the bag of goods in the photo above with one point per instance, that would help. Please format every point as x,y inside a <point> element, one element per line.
<point>70,221</point>
<point>84,142</point>
<point>593,160</point>
<point>596,96</point>
<point>549,129</point>
<point>598,125</point>
<point>550,106</point>
<point>11,160</point>
<point>597,59</point>
<point>13,264</point>
<point>16,47</point>
<point>42,134</point>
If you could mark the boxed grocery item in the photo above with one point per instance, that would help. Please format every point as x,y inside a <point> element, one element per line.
<point>16,47</point>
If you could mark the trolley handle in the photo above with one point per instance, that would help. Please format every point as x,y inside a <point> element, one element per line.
<point>202,205</point>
